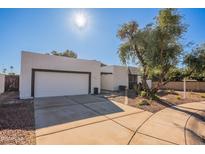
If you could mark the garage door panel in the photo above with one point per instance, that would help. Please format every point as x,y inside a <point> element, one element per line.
<point>60,84</point>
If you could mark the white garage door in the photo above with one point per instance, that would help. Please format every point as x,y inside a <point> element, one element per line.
<point>60,84</point>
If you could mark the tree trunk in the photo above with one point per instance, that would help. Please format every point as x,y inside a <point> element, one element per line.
<point>144,83</point>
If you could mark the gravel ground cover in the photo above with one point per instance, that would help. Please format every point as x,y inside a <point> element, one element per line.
<point>16,120</point>
<point>167,97</point>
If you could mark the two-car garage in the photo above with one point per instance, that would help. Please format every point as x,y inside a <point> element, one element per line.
<point>57,83</point>
<point>46,75</point>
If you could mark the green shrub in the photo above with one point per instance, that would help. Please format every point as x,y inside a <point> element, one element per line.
<point>143,93</point>
<point>155,97</point>
<point>144,102</point>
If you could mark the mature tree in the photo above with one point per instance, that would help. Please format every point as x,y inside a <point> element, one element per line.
<point>157,46</point>
<point>175,74</point>
<point>195,63</point>
<point>67,53</point>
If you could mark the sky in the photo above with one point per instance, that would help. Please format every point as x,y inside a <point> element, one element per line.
<point>45,30</point>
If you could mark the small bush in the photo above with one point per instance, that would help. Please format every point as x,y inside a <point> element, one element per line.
<point>143,93</point>
<point>144,102</point>
<point>178,97</point>
<point>155,97</point>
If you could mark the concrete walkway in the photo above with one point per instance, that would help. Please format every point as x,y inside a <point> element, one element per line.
<point>88,119</point>
<point>183,124</point>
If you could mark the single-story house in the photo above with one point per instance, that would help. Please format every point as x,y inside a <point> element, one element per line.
<point>47,75</point>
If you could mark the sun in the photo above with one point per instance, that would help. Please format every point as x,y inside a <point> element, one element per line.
<point>80,20</point>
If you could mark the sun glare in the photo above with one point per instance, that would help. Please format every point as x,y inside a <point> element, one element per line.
<point>80,20</point>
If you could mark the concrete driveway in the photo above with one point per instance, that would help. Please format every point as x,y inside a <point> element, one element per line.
<point>87,119</point>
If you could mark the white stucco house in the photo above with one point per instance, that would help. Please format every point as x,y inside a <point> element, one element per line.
<point>47,75</point>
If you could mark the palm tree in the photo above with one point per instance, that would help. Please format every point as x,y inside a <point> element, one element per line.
<point>11,69</point>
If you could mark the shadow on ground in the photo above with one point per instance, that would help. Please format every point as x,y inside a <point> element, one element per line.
<point>183,109</point>
<point>60,110</point>
<point>197,114</point>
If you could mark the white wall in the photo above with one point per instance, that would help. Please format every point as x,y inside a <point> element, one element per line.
<point>118,77</point>
<point>107,69</point>
<point>107,82</point>
<point>107,79</point>
<point>2,83</point>
<point>34,60</point>
<point>149,82</point>
<point>134,70</point>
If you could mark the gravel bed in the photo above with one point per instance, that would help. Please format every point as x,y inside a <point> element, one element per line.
<point>17,122</point>
<point>168,98</point>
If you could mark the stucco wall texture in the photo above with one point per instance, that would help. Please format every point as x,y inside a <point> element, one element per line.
<point>42,61</point>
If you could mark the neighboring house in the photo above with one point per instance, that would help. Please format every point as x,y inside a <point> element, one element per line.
<point>47,75</point>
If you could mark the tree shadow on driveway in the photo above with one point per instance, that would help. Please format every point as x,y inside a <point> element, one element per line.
<point>195,136</point>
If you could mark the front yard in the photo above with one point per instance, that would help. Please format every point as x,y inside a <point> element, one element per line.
<point>167,97</point>
<point>17,124</point>
<point>16,120</point>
